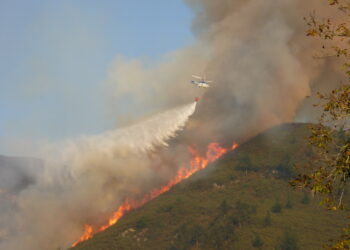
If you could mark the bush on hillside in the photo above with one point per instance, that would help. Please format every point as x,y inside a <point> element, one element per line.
<point>257,241</point>
<point>306,199</point>
<point>276,208</point>
<point>245,164</point>
<point>288,241</point>
<point>142,223</point>
<point>285,168</point>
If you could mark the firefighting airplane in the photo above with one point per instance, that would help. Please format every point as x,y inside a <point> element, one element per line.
<point>202,83</point>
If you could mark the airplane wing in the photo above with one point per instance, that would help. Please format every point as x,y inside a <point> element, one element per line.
<point>209,81</point>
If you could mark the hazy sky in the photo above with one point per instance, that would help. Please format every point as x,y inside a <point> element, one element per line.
<point>55,57</point>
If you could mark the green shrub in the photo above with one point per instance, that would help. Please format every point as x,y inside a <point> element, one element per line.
<point>257,241</point>
<point>224,207</point>
<point>306,198</point>
<point>288,241</point>
<point>276,208</point>
<point>189,234</point>
<point>245,164</point>
<point>243,212</point>
<point>220,234</point>
<point>286,168</point>
<point>141,223</point>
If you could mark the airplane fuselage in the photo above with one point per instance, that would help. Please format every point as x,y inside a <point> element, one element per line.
<point>201,84</point>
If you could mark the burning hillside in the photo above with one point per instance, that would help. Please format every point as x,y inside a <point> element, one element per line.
<point>228,205</point>
<point>214,152</point>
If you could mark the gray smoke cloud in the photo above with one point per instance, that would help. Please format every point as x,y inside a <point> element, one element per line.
<point>258,56</point>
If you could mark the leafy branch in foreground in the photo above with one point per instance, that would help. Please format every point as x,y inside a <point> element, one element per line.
<point>331,141</point>
<point>334,33</point>
<point>330,171</point>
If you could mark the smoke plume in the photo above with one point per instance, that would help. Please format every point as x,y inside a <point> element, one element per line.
<point>88,180</point>
<point>258,56</point>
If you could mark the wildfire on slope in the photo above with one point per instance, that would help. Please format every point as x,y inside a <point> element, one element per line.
<point>214,152</point>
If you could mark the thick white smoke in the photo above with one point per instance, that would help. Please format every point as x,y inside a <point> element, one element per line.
<point>87,180</point>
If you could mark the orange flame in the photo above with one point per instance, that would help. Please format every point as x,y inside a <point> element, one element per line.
<point>87,234</point>
<point>214,152</point>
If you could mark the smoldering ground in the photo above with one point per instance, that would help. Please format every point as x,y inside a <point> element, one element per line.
<point>261,63</point>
